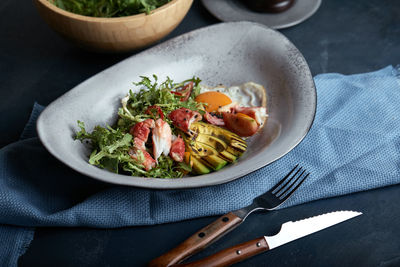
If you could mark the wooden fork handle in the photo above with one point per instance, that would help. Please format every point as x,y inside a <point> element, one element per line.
<point>231,255</point>
<point>200,240</point>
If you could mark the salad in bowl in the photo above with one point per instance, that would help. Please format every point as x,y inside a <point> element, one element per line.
<point>169,130</point>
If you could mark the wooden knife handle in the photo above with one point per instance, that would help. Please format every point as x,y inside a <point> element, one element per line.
<point>198,241</point>
<point>231,255</point>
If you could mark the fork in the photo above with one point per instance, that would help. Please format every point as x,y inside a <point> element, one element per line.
<point>270,200</point>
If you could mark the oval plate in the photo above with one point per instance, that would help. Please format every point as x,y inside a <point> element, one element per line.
<point>227,53</point>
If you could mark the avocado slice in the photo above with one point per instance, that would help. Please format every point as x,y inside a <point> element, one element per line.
<point>227,156</point>
<point>239,147</point>
<point>198,167</point>
<point>202,150</point>
<point>212,147</point>
<point>215,162</point>
<point>223,135</point>
<point>213,141</point>
<point>234,151</point>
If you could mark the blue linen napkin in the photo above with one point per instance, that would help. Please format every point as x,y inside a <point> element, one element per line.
<point>352,146</point>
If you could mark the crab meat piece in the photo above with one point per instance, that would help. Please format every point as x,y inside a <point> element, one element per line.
<point>177,149</point>
<point>183,118</point>
<point>143,157</point>
<point>162,138</point>
<point>140,131</point>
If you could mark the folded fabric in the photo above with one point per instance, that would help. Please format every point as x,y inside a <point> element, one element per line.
<point>353,146</point>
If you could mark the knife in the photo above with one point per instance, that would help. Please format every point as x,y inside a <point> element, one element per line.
<point>269,200</point>
<point>289,232</point>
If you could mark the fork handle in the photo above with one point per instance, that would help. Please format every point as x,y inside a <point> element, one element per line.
<point>231,255</point>
<point>200,240</point>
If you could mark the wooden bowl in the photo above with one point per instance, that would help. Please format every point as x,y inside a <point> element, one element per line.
<point>120,34</point>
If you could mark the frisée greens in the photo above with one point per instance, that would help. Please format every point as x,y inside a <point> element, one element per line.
<point>153,93</point>
<point>111,144</point>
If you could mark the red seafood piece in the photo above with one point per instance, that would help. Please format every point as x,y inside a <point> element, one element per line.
<point>148,162</point>
<point>212,119</point>
<point>157,109</point>
<point>177,149</point>
<point>183,118</point>
<point>140,131</point>
<point>162,137</point>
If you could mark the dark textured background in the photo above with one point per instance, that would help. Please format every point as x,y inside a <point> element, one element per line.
<point>343,36</point>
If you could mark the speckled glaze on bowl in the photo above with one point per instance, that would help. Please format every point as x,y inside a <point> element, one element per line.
<point>227,53</point>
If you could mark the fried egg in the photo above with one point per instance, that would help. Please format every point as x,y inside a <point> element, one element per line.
<point>249,94</point>
<point>214,100</point>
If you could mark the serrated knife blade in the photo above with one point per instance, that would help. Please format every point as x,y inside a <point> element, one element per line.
<point>289,232</point>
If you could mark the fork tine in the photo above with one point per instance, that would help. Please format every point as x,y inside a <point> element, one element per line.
<point>289,185</point>
<point>295,188</point>
<point>284,178</point>
<point>288,182</point>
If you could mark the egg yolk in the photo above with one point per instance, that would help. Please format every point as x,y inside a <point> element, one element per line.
<point>214,100</point>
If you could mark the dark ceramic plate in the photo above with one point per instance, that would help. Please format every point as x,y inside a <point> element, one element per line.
<point>235,10</point>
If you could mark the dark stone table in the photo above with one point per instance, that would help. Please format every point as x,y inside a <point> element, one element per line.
<point>343,36</point>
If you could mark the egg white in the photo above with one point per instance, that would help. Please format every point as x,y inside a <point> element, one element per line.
<point>249,94</point>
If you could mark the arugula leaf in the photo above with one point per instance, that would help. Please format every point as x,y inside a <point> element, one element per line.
<point>109,8</point>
